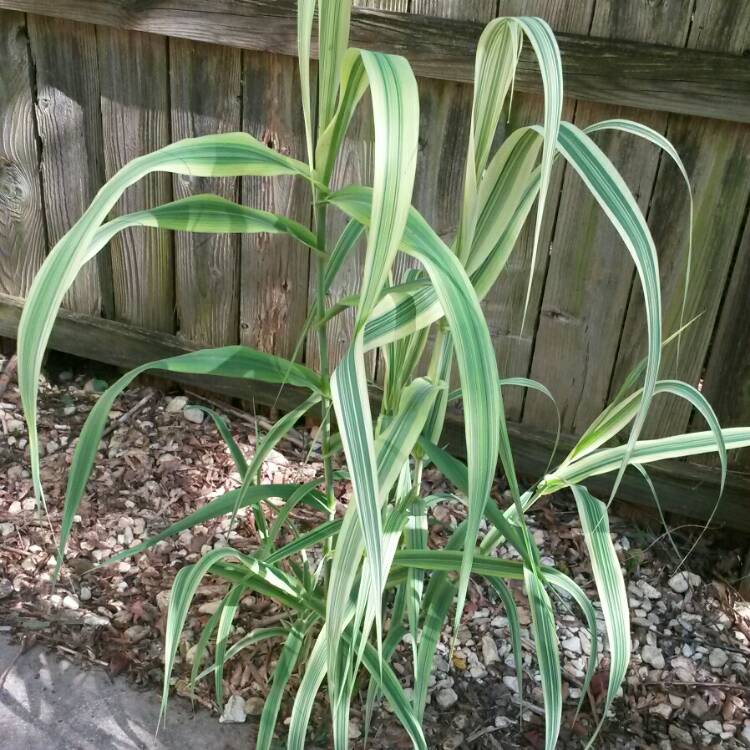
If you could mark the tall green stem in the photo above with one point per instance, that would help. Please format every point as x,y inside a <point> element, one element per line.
<point>321,216</point>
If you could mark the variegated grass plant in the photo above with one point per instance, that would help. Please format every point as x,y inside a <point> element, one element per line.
<point>378,580</point>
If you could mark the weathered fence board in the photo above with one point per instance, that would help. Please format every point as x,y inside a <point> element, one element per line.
<point>77,101</point>
<point>717,158</point>
<point>354,165</point>
<point>205,98</point>
<point>70,130</point>
<point>504,304</point>
<point>590,271</point>
<point>22,240</point>
<point>274,268</point>
<point>135,120</point>
<point>727,379</point>
<point>649,76</point>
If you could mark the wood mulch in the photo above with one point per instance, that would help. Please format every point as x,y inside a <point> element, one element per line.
<point>688,684</point>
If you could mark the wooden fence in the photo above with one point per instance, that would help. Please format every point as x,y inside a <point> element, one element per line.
<point>86,85</point>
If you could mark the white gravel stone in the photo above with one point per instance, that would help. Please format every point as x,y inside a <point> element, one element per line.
<point>137,633</point>
<point>489,650</point>
<point>85,593</point>
<point>648,590</point>
<point>15,508</point>
<point>678,734</point>
<point>194,414</point>
<point>511,682</point>
<point>355,729</point>
<point>653,656</point>
<point>70,602</point>
<point>234,711</point>
<point>94,621</point>
<point>6,529</point>
<point>661,709</point>
<point>446,697</point>
<point>745,736</point>
<point>573,644</point>
<point>176,404</point>
<point>15,426</point>
<point>713,726</point>
<point>254,706</point>
<point>679,582</point>
<point>718,658</point>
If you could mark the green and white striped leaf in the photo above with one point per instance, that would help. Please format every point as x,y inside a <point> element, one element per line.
<point>333,34</point>
<point>229,608</point>
<point>548,656</point>
<point>305,15</point>
<point>616,417</point>
<point>649,134</point>
<point>486,430</point>
<point>497,56</point>
<point>209,156</point>
<point>611,587</point>
<point>264,578</point>
<point>608,187</point>
<point>644,452</point>
<point>281,674</point>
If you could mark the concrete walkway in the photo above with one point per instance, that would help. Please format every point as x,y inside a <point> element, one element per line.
<point>48,703</point>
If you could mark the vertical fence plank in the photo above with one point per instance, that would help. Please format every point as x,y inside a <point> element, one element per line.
<point>22,241</point>
<point>445,119</point>
<point>717,157</point>
<point>726,383</point>
<point>204,99</point>
<point>354,166</point>
<point>503,306</point>
<point>70,128</point>
<point>275,268</point>
<point>135,120</point>
<point>590,271</point>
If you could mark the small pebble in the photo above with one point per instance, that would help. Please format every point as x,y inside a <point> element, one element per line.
<point>511,682</point>
<point>234,711</point>
<point>194,414</point>
<point>137,633</point>
<point>718,658</point>
<point>489,650</point>
<point>679,582</point>
<point>713,726</point>
<point>254,706</point>
<point>653,656</point>
<point>70,602</point>
<point>176,405</point>
<point>446,697</point>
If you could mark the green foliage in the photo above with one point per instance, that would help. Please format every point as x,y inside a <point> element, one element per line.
<point>379,579</point>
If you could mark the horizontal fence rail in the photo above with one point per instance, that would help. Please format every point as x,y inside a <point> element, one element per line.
<point>694,82</point>
<point>128,346</point>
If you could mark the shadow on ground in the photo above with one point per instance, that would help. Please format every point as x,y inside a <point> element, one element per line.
<point>47,702</point>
